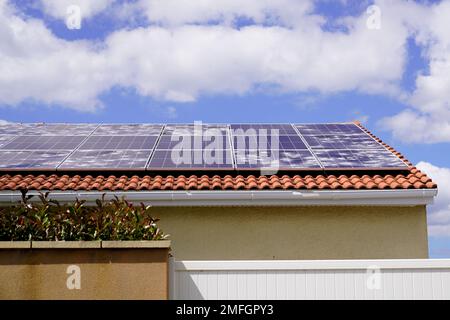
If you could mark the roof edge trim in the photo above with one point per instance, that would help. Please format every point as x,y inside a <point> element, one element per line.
<point>261,198</point>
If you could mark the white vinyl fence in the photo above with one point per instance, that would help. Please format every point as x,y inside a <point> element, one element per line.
<point>325,279</point>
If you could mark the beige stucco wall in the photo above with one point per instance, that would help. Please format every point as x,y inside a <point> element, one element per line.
<point>104,273</point>
<point>295,232</point>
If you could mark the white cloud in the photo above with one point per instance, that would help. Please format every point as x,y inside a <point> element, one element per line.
<point>431,98</point>
<point>179,12</point>
<point>89,8</point>
<point>439,212</point>
<point>181,62</point>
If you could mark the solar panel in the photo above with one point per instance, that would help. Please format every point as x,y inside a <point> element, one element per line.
<point>44,143</point>
<point>270,145</point>
<point>119,143</point>
<point>269,142</point>
<point>279,159</point>
<point>187,159</point>
<point>5,139</point>
<point>190,147</point>
<point>42,160</point>
<point>194,142</point>
<point>355,159</point>
<point>128,130</point>
<point>334,141</point>
<point>106,160</point>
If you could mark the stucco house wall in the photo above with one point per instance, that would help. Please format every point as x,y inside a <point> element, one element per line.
<point>313,232</point>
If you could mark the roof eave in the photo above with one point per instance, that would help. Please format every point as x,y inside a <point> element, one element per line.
<point>260,198</point>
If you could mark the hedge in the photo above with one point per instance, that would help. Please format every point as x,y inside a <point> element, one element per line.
<point>49,220</point>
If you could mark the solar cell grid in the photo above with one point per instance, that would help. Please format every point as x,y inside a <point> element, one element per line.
<point>42,160</point>
<point>270,142</point>
<point>44,143</point>
<point>357,141</point>
<point>192,142</point>
<point>119,143</point>
<point>106,159</point>
<point>191,159</point>
<point>5,139</point>
<point>358,159</point>
<point>282,159</point>
<point>58,129</point>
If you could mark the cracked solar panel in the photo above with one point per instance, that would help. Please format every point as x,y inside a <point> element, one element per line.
<point>106,160</point>
<point>194,142</point>
<point>39,160</point>
<point>356,141</point>
<point>359,159</point>
<point>119,143</point>
<point>44,143</point>
<point>279,159</point>
<point>290,142</point>
<point>6,139</point>
<point>128,130</point>
<point>187,159</point>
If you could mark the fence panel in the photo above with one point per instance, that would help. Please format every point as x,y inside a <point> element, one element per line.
<point>326,279</point>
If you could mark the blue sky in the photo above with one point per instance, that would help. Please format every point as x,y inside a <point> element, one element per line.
<point>281,61</point>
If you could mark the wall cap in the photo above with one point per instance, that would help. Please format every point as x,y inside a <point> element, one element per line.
<point>111,244</point>
<point>15,244</point>
<point>65,245</point>
<point>120,244</point>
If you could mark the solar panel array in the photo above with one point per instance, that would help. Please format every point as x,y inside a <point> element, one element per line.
<point>155,147</point>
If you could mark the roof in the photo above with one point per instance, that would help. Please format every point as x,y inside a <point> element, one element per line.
<point>76,181</point>
<point>415,179</point>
